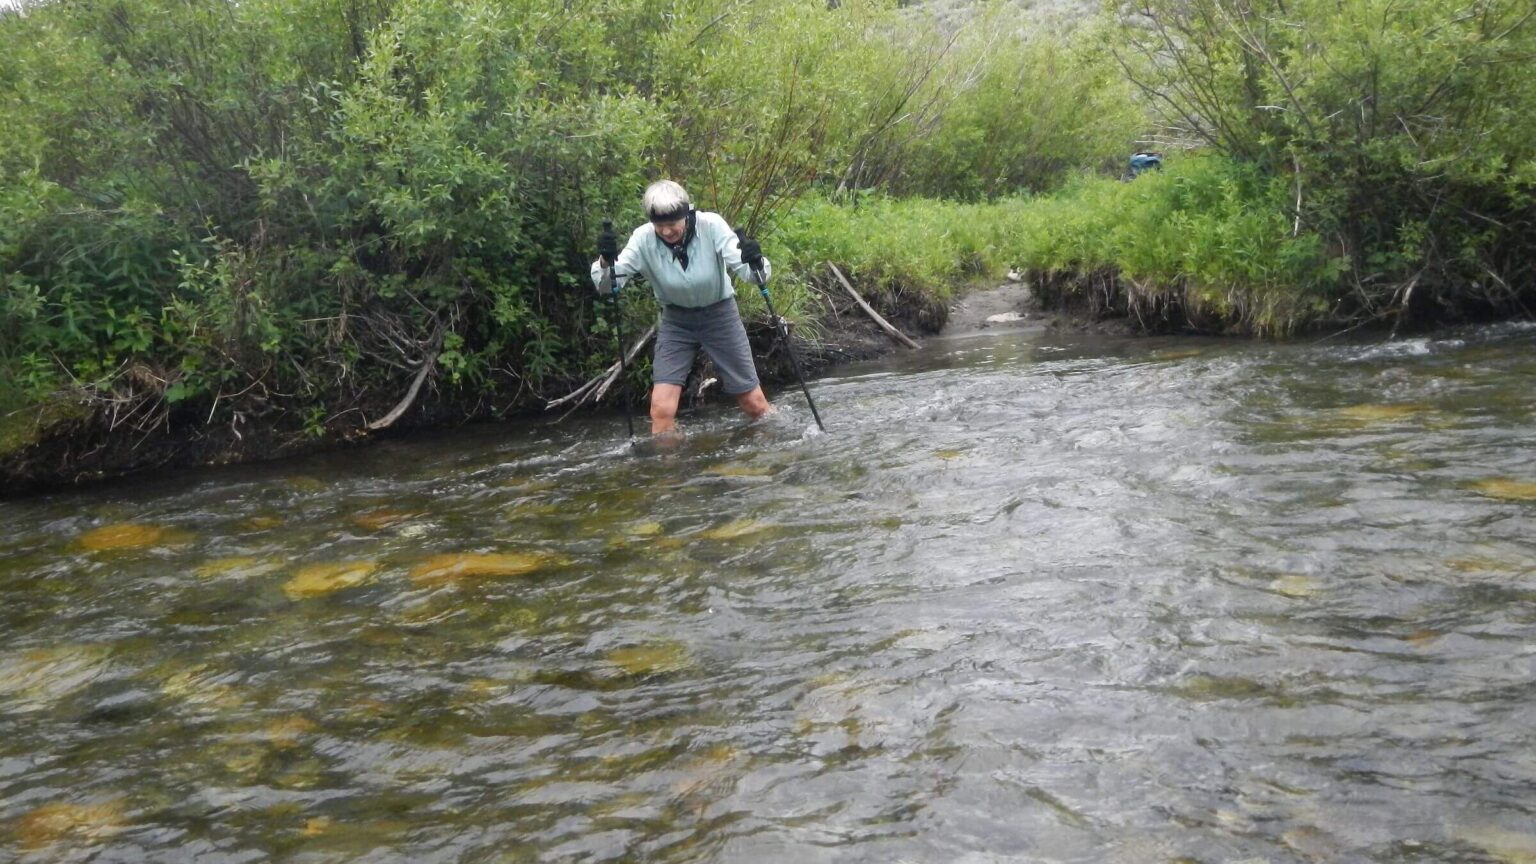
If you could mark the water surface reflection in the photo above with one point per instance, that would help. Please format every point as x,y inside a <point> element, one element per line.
<point>1034,598</point>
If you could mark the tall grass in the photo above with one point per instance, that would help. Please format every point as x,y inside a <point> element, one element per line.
<point>1204,244</point>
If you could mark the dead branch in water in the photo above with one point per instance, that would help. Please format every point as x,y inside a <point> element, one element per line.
<point>598,386</point>
<point>870,311</point>
<point>409,399</point>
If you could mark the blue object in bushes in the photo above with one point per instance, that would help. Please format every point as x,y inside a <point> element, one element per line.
<point>1145,161</point>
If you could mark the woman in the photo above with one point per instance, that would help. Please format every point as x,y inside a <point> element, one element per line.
<point>687,256</point>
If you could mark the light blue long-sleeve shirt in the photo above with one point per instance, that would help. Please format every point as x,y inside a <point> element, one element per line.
<point>713,254</point>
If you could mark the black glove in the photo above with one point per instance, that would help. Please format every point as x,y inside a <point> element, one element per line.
<point>751,253</point>
<point>608,244</point>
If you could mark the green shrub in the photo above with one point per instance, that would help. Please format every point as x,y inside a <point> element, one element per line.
<point>1405,132</point>
<point>1028,112</point>
<point>928,246</point>
<point>1208,235</point>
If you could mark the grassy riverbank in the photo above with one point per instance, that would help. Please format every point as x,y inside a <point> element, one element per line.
<point>274,225</point>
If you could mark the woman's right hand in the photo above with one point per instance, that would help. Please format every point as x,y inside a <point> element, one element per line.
<point>607,244</point>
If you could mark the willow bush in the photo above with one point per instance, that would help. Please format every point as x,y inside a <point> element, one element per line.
<point>290,210</point>
<point>1405,132</point>
<point>1018,112</point>
<point>1205,243</point>
<point>288,207</point>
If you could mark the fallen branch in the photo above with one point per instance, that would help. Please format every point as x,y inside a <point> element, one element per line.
<point>410,397</point>
<point>1402,309</point>
<point>598,386</point>
<point>870,311</point>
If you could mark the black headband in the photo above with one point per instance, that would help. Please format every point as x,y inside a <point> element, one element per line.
<point>672,215</point>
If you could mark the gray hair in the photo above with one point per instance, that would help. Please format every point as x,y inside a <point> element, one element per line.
<point>665,201</point>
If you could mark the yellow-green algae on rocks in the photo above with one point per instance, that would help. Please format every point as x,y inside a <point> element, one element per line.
<point>203,686</point>
<point>49,824</point>
<point>1506,489</point>
<point>735,529</point>
<point>452,568</point>
<point>658,658</point>
<point>379,518</point>
<point>37,678</point>
<point>738,470</point>
<point>284,733</point>
<point>318,580</point>
<point>130,535</point>
<point>1367,414</point>
<point>1509,847</point>
<point>239,566</point>
<point>1294,585</point>
<point>634,533</point>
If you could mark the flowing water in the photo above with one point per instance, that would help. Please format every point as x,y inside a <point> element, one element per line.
<point>1034,598</point>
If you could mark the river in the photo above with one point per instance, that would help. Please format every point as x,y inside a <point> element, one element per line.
<point>1034,597</point>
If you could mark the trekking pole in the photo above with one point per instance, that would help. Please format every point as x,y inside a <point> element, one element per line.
<point>762,287</point>
<point>618,334</point>
<point>618,326</point>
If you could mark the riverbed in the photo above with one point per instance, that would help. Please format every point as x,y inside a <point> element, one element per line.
<point>1033,596</point>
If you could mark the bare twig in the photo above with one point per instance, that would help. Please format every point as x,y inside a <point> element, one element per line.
<point>405,403</point>
<point>869,310</point>
<point>1402,309</point>
<point>598,386</point>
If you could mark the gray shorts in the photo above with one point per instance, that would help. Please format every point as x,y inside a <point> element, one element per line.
<point>717,329</point>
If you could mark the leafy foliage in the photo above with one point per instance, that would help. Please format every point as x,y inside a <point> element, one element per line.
<point>287,208</point>
<point>1206,242</point>
<point>1405,130</point>
<point>290,210</point>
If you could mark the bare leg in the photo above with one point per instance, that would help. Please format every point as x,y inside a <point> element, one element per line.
<point>754,403</point>
<point>664,399</point>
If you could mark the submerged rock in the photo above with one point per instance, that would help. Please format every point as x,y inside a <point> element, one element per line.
<point>318,580</point>
<point>638,532</point>
<point>316,826</point>
<point>38,678</point>
<point>130,535</point>
<point>460,567</point>
<point>735,529</point>
<point>654,659</point>
<point>51,823</point>
<point>729,470</point>
<point>305,483</point>
<point>285,733</point>
<point>1364,414</point>
<point>1294,585</point>
<point>1512,847</point>
<point>380,518</point>
<point>1506,489</point>
<point>203,687</point>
